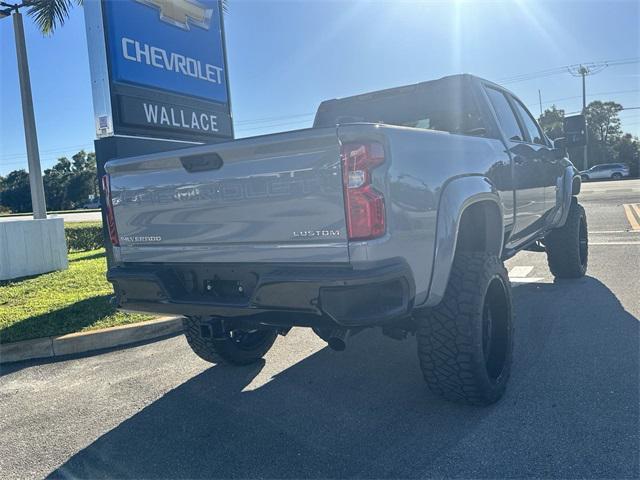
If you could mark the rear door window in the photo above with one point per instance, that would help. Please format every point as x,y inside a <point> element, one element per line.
<point>532,129</point>
<point>505,114</point>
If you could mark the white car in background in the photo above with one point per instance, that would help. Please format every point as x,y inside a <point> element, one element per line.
<point>613,171</point>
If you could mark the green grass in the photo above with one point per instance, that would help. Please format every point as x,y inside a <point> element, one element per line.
<point>62,302</point>
<point>88,210</point>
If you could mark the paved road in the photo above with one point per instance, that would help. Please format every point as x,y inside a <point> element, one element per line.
<point>68,217</point>
<point>571,410</point>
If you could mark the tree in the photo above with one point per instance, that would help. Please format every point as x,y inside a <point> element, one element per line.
<point>627,150</point>
<point>81,185</point>
<point>70,183</point>
<point>93,168</point>
<point>16,194</point>
<point>552,122</point>
<point>3,209</point>
<point>83,182</point>
<point>603,121</point>
<point>604,130</point>
<point>81,161</point>
<point>56,180</point>
<point>51,14</point>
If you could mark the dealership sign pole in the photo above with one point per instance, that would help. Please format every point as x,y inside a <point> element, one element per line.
<point>159,76</point>
<point>36,186</point>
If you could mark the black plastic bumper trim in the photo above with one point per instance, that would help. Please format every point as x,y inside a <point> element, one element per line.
<point>349,297</point>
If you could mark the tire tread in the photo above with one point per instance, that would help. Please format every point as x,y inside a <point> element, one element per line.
<point>562,245</point>
<point>449,348</point>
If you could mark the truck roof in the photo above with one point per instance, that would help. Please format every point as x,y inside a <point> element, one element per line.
<point>411,86</point>
<point>460,77</point>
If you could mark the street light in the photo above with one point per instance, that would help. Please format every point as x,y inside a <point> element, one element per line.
<point>28,117</point>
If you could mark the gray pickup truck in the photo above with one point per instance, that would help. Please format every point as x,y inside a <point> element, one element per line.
<point>396,210</point>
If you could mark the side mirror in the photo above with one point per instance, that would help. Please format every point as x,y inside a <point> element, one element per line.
<point>560,147</point>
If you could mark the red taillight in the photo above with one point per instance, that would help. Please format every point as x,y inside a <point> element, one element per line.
<point>364,205</point>
<point>111,219</point>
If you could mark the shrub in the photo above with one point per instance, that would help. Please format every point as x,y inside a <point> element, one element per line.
<point>83,236</point>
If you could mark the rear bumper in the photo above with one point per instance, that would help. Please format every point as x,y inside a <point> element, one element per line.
<point>271,294</point>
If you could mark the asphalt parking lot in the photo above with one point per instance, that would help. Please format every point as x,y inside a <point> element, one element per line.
<point>572,409</point>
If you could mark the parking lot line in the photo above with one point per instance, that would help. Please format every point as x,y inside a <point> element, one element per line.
<point>520,271</point>
<point>629,209</point>
<point>518,275</point>
<point>614,243</point>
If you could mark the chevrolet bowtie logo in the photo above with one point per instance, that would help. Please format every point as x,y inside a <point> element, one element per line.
<point>182,13</point>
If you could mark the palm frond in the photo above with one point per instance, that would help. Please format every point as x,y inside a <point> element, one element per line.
<point>50,14</point>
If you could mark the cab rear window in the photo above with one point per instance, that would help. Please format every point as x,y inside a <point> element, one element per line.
<point>439,105</point>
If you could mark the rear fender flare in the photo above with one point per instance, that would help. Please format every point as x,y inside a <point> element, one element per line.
<point>568,186</point>
<point>458,195</point>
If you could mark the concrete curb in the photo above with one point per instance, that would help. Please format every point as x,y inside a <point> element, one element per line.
<point>82,342</point>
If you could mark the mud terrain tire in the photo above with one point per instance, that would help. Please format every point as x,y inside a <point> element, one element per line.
<point>465,344</point>
<point>568,246</point>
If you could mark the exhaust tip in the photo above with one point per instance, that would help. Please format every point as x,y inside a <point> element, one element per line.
<point>337,344</point>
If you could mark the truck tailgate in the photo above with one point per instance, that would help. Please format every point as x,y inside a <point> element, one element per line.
<point>268,199</point>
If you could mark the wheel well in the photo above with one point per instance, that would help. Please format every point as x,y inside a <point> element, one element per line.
<point>480,228</point>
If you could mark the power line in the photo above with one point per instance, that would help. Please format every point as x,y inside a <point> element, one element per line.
<point>623,109</point>
<point>558,70</point>
<point>274,125</point>
<point>616,92</point>
<point>504,80</point>
<point>586,69</point>
<point>270,119</point>
<point>50,151</point>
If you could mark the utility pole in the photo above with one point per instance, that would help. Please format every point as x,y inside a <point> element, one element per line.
<point>28,117</point>
<point>583,71</point>
<point>540,100</point>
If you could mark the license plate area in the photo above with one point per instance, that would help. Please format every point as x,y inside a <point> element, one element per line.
<point>221,284</point>
<point>224,289</point>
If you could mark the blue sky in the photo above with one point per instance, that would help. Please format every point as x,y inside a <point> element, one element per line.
<point>287,56</point>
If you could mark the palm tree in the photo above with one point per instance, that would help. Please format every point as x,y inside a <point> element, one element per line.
<point>51,14</point>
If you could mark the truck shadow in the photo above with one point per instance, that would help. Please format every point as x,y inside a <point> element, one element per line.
<point>71,318</point>
<point>571,410</point>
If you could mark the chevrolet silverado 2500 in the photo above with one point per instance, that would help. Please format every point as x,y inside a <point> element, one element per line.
<point>396,210</point>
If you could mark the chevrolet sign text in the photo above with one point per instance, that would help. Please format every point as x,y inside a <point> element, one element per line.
<point>135,51</point>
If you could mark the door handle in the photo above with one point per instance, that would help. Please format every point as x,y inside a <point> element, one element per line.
<point>201,162</point>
